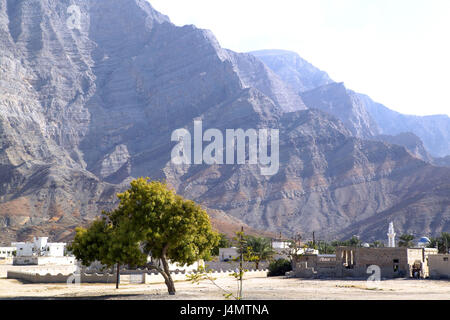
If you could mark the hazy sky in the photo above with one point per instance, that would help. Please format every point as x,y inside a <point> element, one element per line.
<point>396,51</point>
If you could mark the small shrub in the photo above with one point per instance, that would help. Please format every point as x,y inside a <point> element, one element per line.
<point>279,267</point>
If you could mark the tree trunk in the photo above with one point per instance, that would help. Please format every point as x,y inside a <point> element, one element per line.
<point>118,276</point>
<point>166,274</point>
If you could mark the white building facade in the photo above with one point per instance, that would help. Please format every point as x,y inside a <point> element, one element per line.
<point>41,252</point>
<point>7,252</point>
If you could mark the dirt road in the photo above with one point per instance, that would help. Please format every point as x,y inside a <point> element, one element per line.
<point>254,289</point>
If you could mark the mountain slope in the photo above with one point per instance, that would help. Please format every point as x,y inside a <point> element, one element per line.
<point>434,131</point>
<point>363,116</point>
<point>97,104</point>
<point>84,110</point>
<point>294,70</point>
<point>344,104</point>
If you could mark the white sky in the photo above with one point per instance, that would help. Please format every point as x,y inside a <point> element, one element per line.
<point>396,51</point>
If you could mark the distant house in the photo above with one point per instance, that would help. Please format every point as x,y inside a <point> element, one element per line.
<point>393,262</point>
<point>41,252</point>
<point>439,266</point>
<point>7,252</point>
<point>353,262</point>
<point>282,250</point>
<point>228,254</point>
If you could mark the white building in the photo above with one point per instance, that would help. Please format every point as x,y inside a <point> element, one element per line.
<point>41,252</point>
<point>282,250</point>
<point>228,254</point>
<point>280,244</point>
<point>7,252</point>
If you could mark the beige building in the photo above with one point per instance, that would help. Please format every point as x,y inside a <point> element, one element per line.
<point>439,266</point>
<point>393,262</point>
<point>353,262</point>
<point>312,265</point>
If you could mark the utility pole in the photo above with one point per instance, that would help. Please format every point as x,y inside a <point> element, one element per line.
<point>241,261</point>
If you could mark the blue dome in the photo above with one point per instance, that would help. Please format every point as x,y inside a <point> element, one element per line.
<point>424,240</point>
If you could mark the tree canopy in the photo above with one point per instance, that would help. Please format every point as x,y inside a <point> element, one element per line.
<point>151,220</point>
<point>406,240</point>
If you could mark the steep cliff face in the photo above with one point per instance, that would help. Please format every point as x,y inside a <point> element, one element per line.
<point>363,116</point>
<point>294,70</point>
<point>411,142</point>
<point>344,104</point>
<point>328,181</point>
<point>434,131</point>
<point>89,98</point>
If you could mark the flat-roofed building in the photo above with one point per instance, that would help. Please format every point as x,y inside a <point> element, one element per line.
<point>41,252</point>
<point>7,252</point>
<point>393,262</point>
<point>439,266</point>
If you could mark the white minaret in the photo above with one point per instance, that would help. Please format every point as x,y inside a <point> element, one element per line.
<point>391,236</point>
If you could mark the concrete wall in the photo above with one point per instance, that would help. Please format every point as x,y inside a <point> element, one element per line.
<point>439,266</point>
<point>22,261</point>
<point>37,269</point>
<point>144,278</point>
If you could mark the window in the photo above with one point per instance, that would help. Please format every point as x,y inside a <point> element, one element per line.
<point>396,260</point>
<point>446,259</point>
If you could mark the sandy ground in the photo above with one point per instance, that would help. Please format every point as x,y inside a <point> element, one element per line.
<point>278,288</point>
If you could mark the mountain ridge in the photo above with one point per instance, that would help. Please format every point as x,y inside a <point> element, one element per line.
<point>84,111</point>
<point>433,130</point>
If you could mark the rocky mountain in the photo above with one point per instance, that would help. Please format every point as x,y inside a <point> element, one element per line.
<point>294,70</point>
<point>91,91</point>
<point>344,104</point>
<point>411,142</point>
<point>84,109</point>
<point>443,162</point>
<point>434,130</point>
<point>328,181</point>
<point>363,116</point>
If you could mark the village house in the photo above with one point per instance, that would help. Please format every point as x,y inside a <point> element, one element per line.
<point>353,262</point>
<point>41,252</point>
<point>393,262</point>
<point>7,253</point>
<point>439,266</point>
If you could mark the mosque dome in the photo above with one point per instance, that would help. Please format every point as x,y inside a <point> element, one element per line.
<point>423,242</point>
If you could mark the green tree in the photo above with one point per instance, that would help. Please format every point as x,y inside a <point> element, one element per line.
<point>442,243</point>
<point>355,242</point>
<point>326,248</point>
<point>377,244</point>
<point>279,267</point>
<point>224,242</point>
<point>258,249</point>
<point>165,225</point>
<point>104,242</point>
<point>406,240</point>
